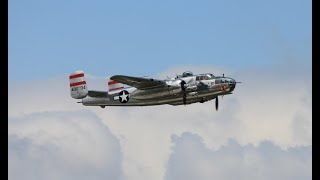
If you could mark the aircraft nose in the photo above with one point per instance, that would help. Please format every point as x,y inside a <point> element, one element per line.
<point>232,81</point>
<point>232,84</point>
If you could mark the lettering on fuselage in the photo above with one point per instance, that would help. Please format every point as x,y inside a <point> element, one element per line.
<point>78,88</point>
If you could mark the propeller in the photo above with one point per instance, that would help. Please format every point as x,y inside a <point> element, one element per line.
<point>182,83</point>
<point>217,103</point>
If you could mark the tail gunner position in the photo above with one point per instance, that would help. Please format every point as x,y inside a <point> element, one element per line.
<point>137,91</point>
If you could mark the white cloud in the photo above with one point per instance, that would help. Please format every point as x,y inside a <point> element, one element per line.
<point>62,145</point>
<point>271,99</point>
<point>191,159</point>
<point>271,104</point>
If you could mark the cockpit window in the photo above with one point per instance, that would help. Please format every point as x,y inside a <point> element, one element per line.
<point>212,76</point>
<point>221,80</point>
<point>209,76</point>
<point>203,77</point>
<point>187,73</point>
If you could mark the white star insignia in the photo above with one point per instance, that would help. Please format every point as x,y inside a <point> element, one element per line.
<point>124,97</point>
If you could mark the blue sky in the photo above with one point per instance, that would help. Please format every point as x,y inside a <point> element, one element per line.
<point>264,127</point>
<point>53,38</point>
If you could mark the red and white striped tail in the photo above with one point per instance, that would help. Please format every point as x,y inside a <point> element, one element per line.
<point>114,85</point>
<point>78,85</point>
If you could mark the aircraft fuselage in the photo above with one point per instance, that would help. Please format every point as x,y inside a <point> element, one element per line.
<point>177,91</point>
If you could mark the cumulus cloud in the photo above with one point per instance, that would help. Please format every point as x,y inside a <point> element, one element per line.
<point>272,99</point>
<point>273,104</point>
<point>263,107</point>
<point>191,159</point>
<point>62,145</point>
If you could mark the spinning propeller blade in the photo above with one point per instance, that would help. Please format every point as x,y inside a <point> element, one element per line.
<point>182,83</point>
<point>217,103</point>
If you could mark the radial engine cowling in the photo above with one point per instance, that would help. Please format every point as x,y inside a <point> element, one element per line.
<point>175,87</point>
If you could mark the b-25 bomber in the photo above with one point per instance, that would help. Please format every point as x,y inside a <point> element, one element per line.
<point>141,91</point>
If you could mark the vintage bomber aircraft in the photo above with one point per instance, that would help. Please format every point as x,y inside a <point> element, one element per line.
<point>140,91</point>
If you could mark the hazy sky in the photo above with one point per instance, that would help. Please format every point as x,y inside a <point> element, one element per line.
<point>262,131</point>
<point>50,38</point>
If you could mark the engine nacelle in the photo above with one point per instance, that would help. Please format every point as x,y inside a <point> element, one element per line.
<point>191,88</point>
<point>174,87</point>
<point>192,94</point>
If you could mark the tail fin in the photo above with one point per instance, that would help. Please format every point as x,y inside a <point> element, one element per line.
<point>114,85</point>
<point>78,85</point>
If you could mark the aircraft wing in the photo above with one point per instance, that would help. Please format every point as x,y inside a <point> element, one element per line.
<point>97,93</point>
<point>138,82</point>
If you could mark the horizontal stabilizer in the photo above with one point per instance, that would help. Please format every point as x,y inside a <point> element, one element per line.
<point>114,85</point>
